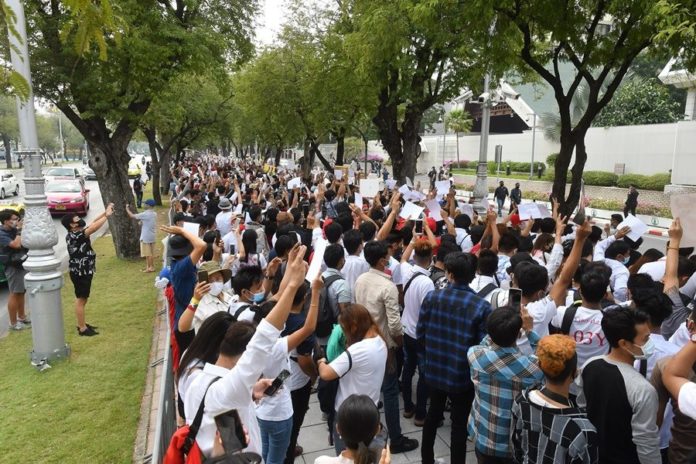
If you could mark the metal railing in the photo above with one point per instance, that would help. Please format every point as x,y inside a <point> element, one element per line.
<point>165,423</point>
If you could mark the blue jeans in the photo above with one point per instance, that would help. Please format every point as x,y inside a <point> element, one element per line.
<point>275,437</point>
<point>390,392</point>
<point>412,359</point>
<point>501,202</point>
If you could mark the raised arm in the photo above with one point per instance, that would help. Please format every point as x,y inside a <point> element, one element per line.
<point>293,278</point>
<point>560,287</point>
<point>100,220</point>
<point>310,324</point>
<point>199,246</point>
<point>671,279</point>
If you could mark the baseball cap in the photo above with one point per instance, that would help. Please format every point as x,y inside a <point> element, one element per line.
<point>150,202</point>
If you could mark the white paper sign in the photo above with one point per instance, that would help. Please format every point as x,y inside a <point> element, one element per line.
<point>415,196</point>
<point>192,227</point>
<point>390,183</point>
<point>359,200</point>
<point>528,211</point>
<point>483,204</point>
<point>294,183</point>
<point>543,211</point>
<point>638,228</point>
<point>443,187</point>
<point>291,164</point>
<point>409,182</point>
<point>683,208</point>
<point>411,211</point>
<point>434,210</point>
<point>338,174</point>
<point>317,260</point>
<point>369,187</point>
<point>466,208</point>
<point>238,209</point>
<point>404,190</point>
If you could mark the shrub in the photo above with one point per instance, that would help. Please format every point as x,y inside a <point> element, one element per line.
<point>600,178</point>
<point>464,164</point>
<point>515,166</point>
<point>551,160</point>
<point>647,209</point>
<point>654,182</point>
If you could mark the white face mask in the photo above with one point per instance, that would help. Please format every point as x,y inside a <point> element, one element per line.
<point>216,288</point>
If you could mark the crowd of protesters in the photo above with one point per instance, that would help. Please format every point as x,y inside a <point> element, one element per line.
<point>541,341</point>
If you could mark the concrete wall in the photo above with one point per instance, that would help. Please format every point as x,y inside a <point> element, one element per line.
<point>647,149</point>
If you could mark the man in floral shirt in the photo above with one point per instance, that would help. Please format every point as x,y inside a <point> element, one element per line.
<point>82,262</point>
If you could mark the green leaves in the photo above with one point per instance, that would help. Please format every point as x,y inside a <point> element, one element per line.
<point>640,101</point>
<point>93,21</point>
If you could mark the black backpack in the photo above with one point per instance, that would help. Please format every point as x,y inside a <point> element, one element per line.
<point>568,317</point>
<point>326,317</point>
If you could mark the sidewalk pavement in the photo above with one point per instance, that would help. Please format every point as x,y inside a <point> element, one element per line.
<point>314,438</point>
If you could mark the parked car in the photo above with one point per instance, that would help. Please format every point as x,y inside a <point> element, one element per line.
<point>8,184</point>
<point>135,169</point>
<point>60,174</point>
<point>88,173</point>
<point>67,197</point>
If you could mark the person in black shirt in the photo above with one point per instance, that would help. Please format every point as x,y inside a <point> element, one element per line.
<point>82,262</point>
<point>432,175</point>
<point>500,194</point>
<point>515,196</point>
<point>138,189</point>
<point>631,201</point>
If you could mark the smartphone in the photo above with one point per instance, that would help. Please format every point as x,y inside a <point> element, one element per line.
<point>231,430</point>
<point>277,383</point>
<point>202,276</point>
<point>419,227</point>
<point>515,298</point>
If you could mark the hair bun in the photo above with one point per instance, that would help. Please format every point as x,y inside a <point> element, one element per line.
<point>553,352</point>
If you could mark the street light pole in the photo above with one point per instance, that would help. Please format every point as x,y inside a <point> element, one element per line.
<point>43,280</point>
<point>444,141</point>
<point>481,187</point>
<point>60,133</point>
<point>531,166</point>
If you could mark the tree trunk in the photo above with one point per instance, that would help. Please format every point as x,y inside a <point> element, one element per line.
<point>151,135</point>
<point>388,129</point>
<point>314,150</point>
<point>165,173</point>
<point>110,161</point>
<point>278,153</point>
<point>411,141</point>
<point>570,142</point>
<point>8,150</point>
<point>340,146</point>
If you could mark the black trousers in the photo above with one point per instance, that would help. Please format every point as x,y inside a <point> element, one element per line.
<point>629,209</point>
<point>461,407</point>
<point>300,405</point>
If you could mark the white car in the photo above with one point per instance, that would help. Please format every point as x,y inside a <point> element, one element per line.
<point>8,184</point>
<point>62,174</point>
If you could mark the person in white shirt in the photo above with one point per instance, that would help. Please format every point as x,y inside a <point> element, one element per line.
<point>586,325</point>
<point>616,254</point>
<point>355,265</point>
<point>358,423</point>
<point>233,381</point>
<point>275,414</point>
<point>362,366</point>
<point>486,282</point>
<point>223,220</point>
<point>417,284</point>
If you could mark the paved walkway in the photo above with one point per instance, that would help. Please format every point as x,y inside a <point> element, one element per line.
<point>314,438</point>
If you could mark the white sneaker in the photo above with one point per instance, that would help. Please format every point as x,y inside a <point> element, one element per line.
<point>18,326</point>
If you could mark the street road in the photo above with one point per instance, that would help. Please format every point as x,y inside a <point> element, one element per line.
<point>96,208</point>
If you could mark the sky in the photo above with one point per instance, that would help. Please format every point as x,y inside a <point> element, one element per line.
<point>271,19</point>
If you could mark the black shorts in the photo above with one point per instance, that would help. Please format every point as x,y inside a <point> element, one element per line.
<point>83,284</point>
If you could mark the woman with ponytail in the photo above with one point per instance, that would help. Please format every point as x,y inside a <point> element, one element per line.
<point>357,422</point>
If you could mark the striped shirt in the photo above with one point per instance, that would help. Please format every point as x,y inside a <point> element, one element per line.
<point>499,375</point>
<point>450,321</point>
<point>543,434</point>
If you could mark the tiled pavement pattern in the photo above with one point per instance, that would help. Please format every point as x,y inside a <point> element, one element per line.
<point>314,438</point>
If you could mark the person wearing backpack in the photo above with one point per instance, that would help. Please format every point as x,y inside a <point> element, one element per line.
<point>336,294</point>
<point>585,325</point>
<point>417,285</point>
<point>486,283</point>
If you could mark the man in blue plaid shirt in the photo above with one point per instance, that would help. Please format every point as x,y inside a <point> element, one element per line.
<point>450,321</point>
<point>500,371</point>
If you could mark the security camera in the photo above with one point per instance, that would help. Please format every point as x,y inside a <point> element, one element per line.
<point>510,95</point>
<point>484,97</point>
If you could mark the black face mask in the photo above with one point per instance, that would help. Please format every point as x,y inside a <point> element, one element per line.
<point>81,223</point>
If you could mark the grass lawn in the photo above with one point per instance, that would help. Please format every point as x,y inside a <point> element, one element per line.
<point>85,409</point>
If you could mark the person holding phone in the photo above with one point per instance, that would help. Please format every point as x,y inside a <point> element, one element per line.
<point>233,381</point>
<point>275,412</point>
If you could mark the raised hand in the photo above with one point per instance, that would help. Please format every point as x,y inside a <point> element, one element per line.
<point>621,233</point>
<point>200,290</point>
<point>583,231</point>
<point>675,230</point>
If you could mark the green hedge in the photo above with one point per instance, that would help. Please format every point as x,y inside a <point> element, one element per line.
<point>601,178</point>
<point>551,160</point>
<point>515,166</point>
<point>654,182</point>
